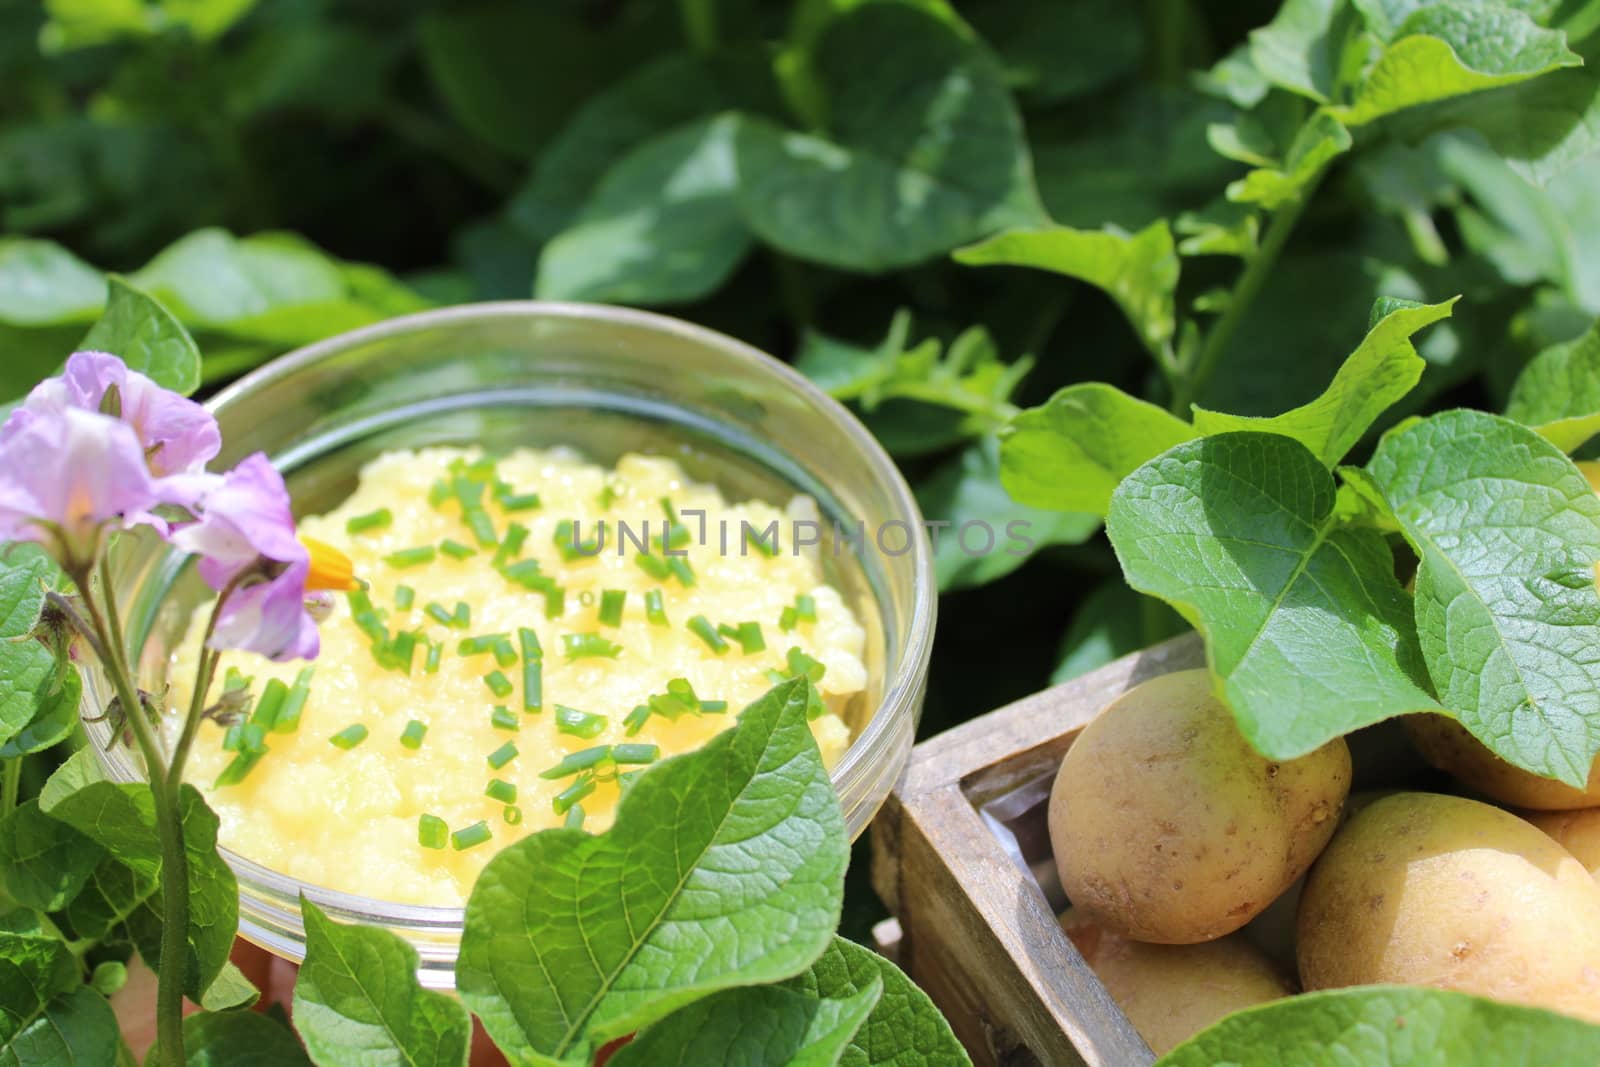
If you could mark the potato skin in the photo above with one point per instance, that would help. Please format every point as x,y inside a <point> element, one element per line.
<point>1172,992</point>
<point>1576,831</point>
<point>1447,745</point>
<point>1168,827</point>
<point>1425,889</point>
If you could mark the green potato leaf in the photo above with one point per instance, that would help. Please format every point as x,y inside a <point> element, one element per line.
<point>42,284</point>
<point>30,705</point>
<point>923,148</point>
<point>1558,393</point>
<point>241,1039</point>
<point>1319,142</point>
<point>35,968</point>
<point>1508,534</point>
<point>662,227</point>
<point>76,1028</point>
<point>1387,17</point>
<point>357,998</point>
<point>55,719</point>
<point>1138,271</point>
<point>1389,1026</point>
<point>1070,453</point>
<point>985,534</point>
<point>44,863</point>
<point>567,944</point>
<point>1451,49</point>
<point>904,1028</point>
<point>113,892</point>
<point>1307,630</point>
<point>753,1027</point>
<point>146,336</point>
<point>1383,369</point>
<point>1300,49</point>
<point>1541,128</point>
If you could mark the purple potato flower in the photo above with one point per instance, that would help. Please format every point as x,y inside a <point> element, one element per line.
<point>69,476</point>
<point>245,537</point>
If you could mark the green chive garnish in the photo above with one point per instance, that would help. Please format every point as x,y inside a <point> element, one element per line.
<point>412,735</point>
<point>470,836</point>
<point>529,640</point>
<point>511,545</point>
<point>759,543</point>
<point>635,753</point>
<point>474,646</point>
<point>513,815</point>
<point>701,627</point>
<point>519,501</point>
<point>575,818</point>
<point>805,607</point>
<point>801,664</point>
<point>237,769</point>
<point>502,755</point>
<point>456,550</point>
<point>404,597</point>
<point>654,566</point>
<point>502,718</point>
<point>580,761</point>
<point>654,609</point>
<point>528,574</point>
<point>480,524</point>
<point>438,493</point>
<point>372,520</point>
<point>555,602</point>
<point>440,614</point>
<point>498,684</point>
<point>611,604</point>
<point>463,615</point>
<point>581,646</point>
<point>681,568</point>
<point>288,718</point>
<point>573,793</point>
<point>786,620</point>
<point>712,707</point>
<point>503,791</point>
<point>432,831</point>
<point>435,653</point>
<point>366,616</point>
<point>635,719</point>
<point>411,557</point>
<point>349,737</point>
<point>579,723</point>
<point>268,707</point>
<point>533,685</point>
<point>504,654</point>
<point>748,634</point>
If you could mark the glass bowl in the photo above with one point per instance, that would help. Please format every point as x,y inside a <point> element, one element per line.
<point>605,381</point>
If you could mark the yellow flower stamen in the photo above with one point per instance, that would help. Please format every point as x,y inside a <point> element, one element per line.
<point>330,568</point>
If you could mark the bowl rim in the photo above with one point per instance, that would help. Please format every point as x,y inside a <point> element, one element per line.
<point>906,679</point>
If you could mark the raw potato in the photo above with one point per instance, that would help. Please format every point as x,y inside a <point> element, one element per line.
<point>1576,831</point>
<point>1168,827</point>
<point>1425,889</point>
<point>1172,992</point>
<point>1447,745</point>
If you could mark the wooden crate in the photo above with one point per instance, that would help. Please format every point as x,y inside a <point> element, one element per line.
<point>975,927</point>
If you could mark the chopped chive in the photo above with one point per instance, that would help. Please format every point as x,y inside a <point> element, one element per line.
<point>635,753</point>
<point>481,525</point>
<point>555,602</point>
<point>681,568</point>
<point>503,791</point>
<point>668,510</point>
<point>527,573</point>
<point>676,535</point>
<point>247,737</point>
<point>801,664</point>
<point>438,493</point>
<point>635,720</point>
<point>435,653</point>
<point>701,627</point>
<point>577,723</point>
<point>519,501</point>
<point>474,646</point>
<point>502,718</point>
<point>412,735</point>
<point>349,737</point>
<point>468,492</point>
<point>581,646</point>
<point>580,761</point>
<point>654,609</point>
<point>288,719</point>
<point>529,640</point>
<point>502,755</point>
<point>805,607</point>
<point>608,496</point>
<point>513,815</point>
<point>533,685</point>
<point>396,654</point>
<point>757,542</point>
<point>748,634</point>
<point>367,617</point>
<point>237,769</point>
<point>470,836</point>
<point>372,520</point>
<point>456,550</point>
<point>712,707</point>
<point>575,817</point>
<point>432,831</point>
<point>404,597</point>
<point>463,615</point>
<point>611,605</point>
<point>787,619</point>
<point>654,566</point>
<point>270,704</point>
<point>498,684</point>
<point>440,614</point>
<point>511,545</point>
<point>573,793</point>
<point>504,654</point>
<point>411,557</point>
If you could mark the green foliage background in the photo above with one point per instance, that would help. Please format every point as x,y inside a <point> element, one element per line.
<point>798,175</point>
